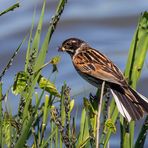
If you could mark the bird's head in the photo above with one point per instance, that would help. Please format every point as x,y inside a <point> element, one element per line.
<point>71,45</point>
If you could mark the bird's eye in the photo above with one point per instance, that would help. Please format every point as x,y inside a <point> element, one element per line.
<point>69,44</point>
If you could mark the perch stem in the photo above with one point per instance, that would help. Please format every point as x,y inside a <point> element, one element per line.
<point>99,114</point>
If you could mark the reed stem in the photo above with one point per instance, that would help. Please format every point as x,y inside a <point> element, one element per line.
<point>99,114</point>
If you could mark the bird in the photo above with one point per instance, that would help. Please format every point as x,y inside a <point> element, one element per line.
<point>95,68</point>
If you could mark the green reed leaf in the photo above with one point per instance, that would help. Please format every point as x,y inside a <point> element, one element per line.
<point>136,57</point>
<point>1,114</point>
<point>11,8</point>
<point>48,86</point>
<point>20,83</point>
<point>82,128</point>
<point>71,106</point>
<point>109,125</point>
<point>89,106</point>
<point>6,129</point>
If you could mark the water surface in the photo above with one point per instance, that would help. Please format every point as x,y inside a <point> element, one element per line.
<point>107,25</point>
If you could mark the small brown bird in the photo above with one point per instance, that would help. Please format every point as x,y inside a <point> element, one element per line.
<point>95,68</point>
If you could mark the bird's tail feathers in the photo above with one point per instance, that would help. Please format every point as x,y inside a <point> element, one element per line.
<point>120,106</point>
<point>130,103</point>
<point>143,101</point>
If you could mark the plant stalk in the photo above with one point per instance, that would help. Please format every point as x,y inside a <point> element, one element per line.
<point>99,114</point>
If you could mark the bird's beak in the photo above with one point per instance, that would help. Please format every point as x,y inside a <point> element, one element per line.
<point>61,49</point>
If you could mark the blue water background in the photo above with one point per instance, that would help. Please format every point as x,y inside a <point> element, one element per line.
<point>107,25</point>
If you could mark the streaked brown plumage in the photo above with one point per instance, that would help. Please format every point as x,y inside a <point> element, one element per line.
<point>96,68</point>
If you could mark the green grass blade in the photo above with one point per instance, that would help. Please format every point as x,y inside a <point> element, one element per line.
<point>45,143</point>
<point>113,119</point>
<point>86,136</point>
<point>32,52</point>
<point>21,141</point>
<point>62,110</point>
<point>36,41</point>
<point>29,114</point>
<point>45,116</point>
<point>142,135</point>
<point>29,43</point>
<point>126,142</point>
<point>42,53</point>
<point>11,8</point>
<point>137,51</point>
<point>82,125</point>
<point>26,128</point>
<point>136,57</point>
<point>45,113</point>
<point>139,48</point>
<point>31,64</point>
<point>51,29</point>
<point>143,44</point>
<point>1,115</point>
<point>11,59</point>
<point>141,51</point>
<point>48,86</point>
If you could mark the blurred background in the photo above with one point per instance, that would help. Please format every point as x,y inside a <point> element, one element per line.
<point>107,25</point>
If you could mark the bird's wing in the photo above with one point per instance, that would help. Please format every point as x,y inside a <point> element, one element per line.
<point>97,65</point>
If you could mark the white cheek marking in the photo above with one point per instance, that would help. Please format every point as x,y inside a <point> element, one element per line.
<point>77,52</point>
